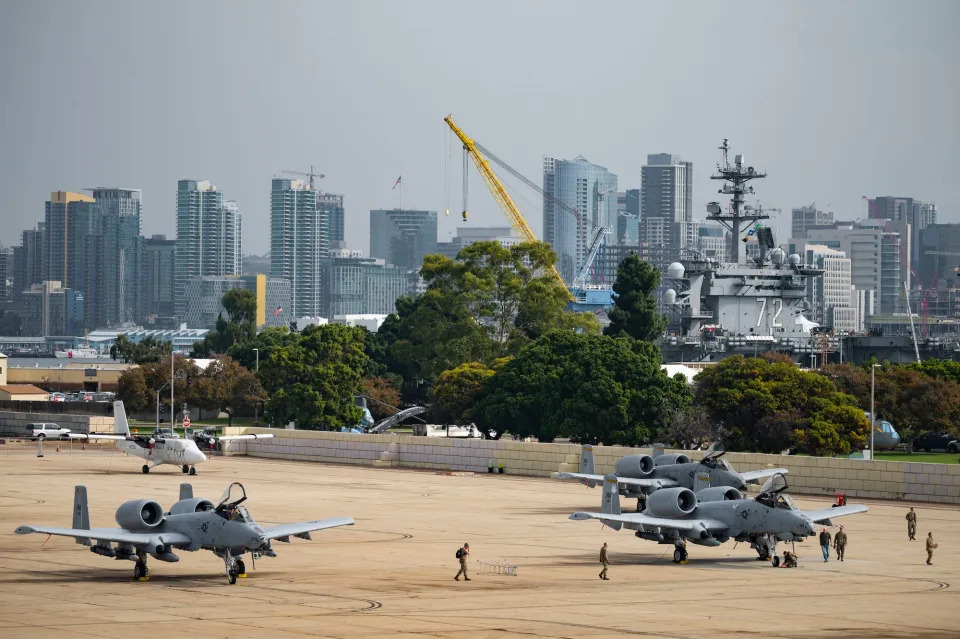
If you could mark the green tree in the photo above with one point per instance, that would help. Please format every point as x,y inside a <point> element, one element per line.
<point>137,387</point>
<point>266,341</point>
<point>239,328</point>
<point>768,404</point>
<point>132,390</point>
<point>382,395</point>
<point>147,350</point>
<point>226,386</point>
<point>591,387</point>
<point>635,308</point>
<point>458,389</point>
<point>313,381</point>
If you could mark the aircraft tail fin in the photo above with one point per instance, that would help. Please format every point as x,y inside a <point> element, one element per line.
<point>657,450</point>
<point>120,425</point>
<point>81,515</point>
<point>611,495</point>
<point>586,464</point>
<point>186,491</point>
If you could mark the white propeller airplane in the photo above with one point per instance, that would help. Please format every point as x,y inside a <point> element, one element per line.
<point>159,450</point>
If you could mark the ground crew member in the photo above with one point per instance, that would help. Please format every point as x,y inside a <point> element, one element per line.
<point>931,545</point>
<point>462,555</point>
<point>789,559</point>
<point>912,525</point>
<point>604,562</point>
<point>840,543</point>
<point>825,545</point>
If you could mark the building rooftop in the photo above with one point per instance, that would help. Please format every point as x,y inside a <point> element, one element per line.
<point>22,389</point>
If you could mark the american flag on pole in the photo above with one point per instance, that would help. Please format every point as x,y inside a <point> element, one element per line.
<point>277,311</point>
<point>396,183</point>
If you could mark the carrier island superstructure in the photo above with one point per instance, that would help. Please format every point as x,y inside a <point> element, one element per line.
<point>748,305</point>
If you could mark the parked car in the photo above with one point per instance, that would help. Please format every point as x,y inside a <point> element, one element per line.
<point>936,441</point>
<point>46,430</point>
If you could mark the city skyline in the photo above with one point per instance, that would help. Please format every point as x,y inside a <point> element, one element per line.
<point>823,87</point>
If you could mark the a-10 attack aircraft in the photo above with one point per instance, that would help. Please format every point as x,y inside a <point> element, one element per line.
<point>159,449</point>
<point>715,515</point>
<point>640,475</point>
<point>193,523</point>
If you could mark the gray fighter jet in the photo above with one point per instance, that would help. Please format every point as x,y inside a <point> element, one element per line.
<point>715,515</point>
<point>640,475</point>
<point>193,523</point>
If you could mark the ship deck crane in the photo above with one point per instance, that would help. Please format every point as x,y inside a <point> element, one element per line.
<point>499,192</point>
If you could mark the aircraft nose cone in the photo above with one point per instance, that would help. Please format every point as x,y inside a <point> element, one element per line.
<point>196,456</point>
<point>259,541</point>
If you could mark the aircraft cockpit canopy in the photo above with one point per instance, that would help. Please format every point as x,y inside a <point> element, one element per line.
<point>230,501</point>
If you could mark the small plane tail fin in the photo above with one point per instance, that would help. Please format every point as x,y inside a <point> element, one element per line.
<point>120,425</point>
<point>611,495</point>
<point>81,515</point>
<point>186,491</point>
<point>586,464</point>
<point>657,450</point>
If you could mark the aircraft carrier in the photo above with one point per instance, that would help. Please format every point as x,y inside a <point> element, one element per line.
<point>747,305</point>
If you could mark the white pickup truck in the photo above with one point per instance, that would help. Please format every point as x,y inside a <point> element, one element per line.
<point>46,430</point>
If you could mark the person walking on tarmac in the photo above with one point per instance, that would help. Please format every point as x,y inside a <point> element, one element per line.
<point>604,562</point>
<point>931,546</point>
<point>462,554</point>
<point>825,545</point>
<point>840,543</point>
<point>912,525</point>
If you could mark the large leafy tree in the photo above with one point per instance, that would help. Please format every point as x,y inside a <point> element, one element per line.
<point>238,328</point>
<point>591,387</point>
<point>635,307</point>
<point>768,404</point>
<point>226,386</point>
<point>383,398</point>
<point>313,381</point>
<point>147,350</point>
<point>138,387</point>
<point>458,389</point>
<point>266,341</point>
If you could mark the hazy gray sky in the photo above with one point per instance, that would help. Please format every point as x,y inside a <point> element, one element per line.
<point>834,100</point>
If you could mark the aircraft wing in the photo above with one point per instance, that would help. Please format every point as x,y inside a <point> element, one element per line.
<point>303,528</point>
<point>118,535</point>
<point>824,515</point>
<point>625,481</point>
<point>227,438</point>
<point>753,476</point>
<point>97,436</point>
<point>654,522</point>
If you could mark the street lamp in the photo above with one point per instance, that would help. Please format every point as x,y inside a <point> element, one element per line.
<point>256,405</point>
<point>873,385</point>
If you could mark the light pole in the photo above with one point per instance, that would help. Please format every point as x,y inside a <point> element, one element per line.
<point>873,418</point>
<point>256,405</point>
<point>158,404</point>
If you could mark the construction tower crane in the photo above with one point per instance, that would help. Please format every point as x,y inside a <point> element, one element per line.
<point>310,174</point>
<point>499,192</point>
<point>580,281</point>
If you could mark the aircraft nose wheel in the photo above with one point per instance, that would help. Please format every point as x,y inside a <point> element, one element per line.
<point>776,562</point>
<point>193,470</point>
<point>185,469</point>
<point>241,568</point>
<point>139,570</point>
<point>145,469</point>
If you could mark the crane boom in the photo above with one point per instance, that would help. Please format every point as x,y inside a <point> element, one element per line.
<point>499,192</point>
<point>581,280</point>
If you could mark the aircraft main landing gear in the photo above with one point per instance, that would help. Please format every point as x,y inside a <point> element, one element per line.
<point>185,469</point>
<point>679,554</point>
<point>145,469</point>
<point>193,470</point>
<point>140,568</point>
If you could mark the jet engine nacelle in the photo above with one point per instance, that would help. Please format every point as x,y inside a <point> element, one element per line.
<point>718,493</point>
<point>672,458</point>
<point>195,505</point>
<point>140,515</point>
<point>635,466</point>
<point>671,502</point>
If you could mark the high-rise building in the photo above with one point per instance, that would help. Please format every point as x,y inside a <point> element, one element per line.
<point>204,297</point>
<point>361,285</point>
<point>159,270</point>
<point>299,242</point>
<point>939,256</point>
<point>401,237</point>
<point>666,210</point>
<point>832,298</point>
<point>59,225</point>
<point>807,216</point>
<point>589,193</point>
<point>208,236</point>
<point>628,217</point>
<point>919,215</point>
<point>28,261</point>
<point>49,309</point>
<point>331,206</point>
<point>5,263</point>
<point>713,242</point>
<point>467,235</point>
<point>892,295</point>
<point>114,259</point>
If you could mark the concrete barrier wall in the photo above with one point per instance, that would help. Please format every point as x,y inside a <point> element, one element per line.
<point>807,475</point>
<point>15,424</point>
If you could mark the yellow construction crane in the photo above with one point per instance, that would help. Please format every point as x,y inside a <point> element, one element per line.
<point>500,194</point>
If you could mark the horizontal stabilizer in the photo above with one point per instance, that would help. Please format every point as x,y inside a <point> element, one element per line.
<point>623,481</point>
